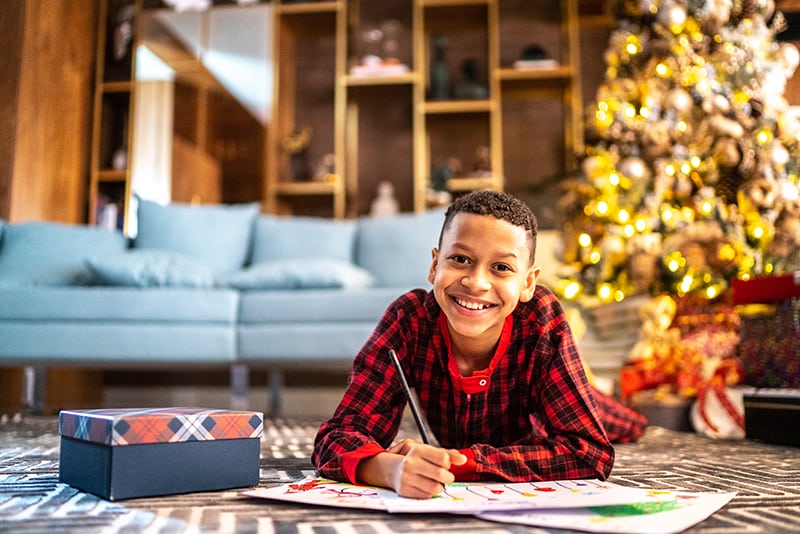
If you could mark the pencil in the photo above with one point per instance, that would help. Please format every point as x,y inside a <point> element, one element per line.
<point>412,403</point>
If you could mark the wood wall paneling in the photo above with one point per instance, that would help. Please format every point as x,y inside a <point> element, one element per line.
<point>11,34</point>
<point>53,111</point>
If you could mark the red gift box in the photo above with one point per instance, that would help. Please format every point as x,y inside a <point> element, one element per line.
<point>769,346</point>
<point>766,288</point>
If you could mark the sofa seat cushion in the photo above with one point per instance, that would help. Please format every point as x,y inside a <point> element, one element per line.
<point>316,305</point>
<point>302,344</point>
<point>126,344</point>
<point>110,304</point>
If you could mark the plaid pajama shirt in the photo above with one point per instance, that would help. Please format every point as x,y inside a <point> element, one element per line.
<point>530,416</point>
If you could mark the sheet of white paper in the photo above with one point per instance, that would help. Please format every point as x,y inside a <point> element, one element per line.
<point>666,517</point>
<point>463,498</point>
<point>322,492</point>
<point>471,498</point>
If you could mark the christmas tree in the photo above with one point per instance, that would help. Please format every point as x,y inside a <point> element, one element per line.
<point>690,177</point>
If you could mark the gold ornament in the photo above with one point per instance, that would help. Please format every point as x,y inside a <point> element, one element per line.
<point>634,168</point>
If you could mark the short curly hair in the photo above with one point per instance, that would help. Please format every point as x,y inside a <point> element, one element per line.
<point>498,204</point>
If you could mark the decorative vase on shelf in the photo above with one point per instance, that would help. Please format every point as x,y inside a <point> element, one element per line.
<point>440,72</point>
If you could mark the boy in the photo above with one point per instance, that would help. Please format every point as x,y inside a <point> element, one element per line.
<point>493,362</point>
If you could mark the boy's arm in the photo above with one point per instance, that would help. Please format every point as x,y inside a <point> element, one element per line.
<point>368,417</point>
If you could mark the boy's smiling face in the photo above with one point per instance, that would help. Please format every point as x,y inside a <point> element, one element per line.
<point>480,273</point>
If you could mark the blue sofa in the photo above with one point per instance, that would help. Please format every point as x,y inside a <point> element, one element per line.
<point>206,286</point>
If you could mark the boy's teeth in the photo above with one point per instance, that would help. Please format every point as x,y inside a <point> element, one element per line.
<point>471,305</point>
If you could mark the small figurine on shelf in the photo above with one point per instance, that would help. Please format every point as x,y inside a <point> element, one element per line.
<point>390,44</point>
<point>469,87</point>
<point>379,51</point>
<point>438,193</point>
<point>297,145</point>
<point>326,169</point>
<point>535,57</point>
<point>483,162</point>
<point>123,32</point>
<point>385,204</point>
<point>440,72</point>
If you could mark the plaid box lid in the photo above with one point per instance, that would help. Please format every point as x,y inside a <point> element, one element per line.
<point>132,426</point>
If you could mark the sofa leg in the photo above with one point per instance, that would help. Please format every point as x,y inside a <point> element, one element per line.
<point>34,384</point>
<point>240,384</point>
<point>275,387</point>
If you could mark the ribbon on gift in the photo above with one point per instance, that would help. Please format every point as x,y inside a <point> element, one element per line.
<point>652,359</point>
<point>728,372</point>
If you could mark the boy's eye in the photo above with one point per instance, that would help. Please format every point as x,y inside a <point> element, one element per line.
<point>459,258</point>
<point>503,267</point>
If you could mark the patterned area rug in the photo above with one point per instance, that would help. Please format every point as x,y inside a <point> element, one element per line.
<point>32,500</point>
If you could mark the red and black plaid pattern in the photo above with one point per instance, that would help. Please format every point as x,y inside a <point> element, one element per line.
<point>535,418</point>
<point>158,425</point>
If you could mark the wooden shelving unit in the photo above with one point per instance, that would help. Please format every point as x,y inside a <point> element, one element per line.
<point>110,173</point>
<point>386,127</point>
<point>308,50</point>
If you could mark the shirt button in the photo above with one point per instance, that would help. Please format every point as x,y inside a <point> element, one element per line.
<point>483,382</point>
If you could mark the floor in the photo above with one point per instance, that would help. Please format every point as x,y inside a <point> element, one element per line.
<point>32,501</point>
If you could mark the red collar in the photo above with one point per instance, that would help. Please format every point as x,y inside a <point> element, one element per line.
<point>479,380</point>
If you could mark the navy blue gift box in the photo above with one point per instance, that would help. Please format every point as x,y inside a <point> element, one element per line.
<point>130,453</point>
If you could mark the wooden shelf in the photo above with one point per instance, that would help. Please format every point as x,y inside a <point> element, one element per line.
<point>471,183</point>
<point>367,81</point>
<point>454,3</point>
<point>305,188</point>
<point>112,176</point>
<point>457,106</point>
<point>559,73</point>
<point>305,7</point>
<point>116,87</point>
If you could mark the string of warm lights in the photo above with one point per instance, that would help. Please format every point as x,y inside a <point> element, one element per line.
<point>690,177</point>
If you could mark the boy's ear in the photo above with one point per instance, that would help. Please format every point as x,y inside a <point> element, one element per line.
<point>530,283</point>
<point>434,262</point>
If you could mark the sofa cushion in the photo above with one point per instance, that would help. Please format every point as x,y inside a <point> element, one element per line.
<point>323,344</point>
<point>150,268</point>
<point>215,234</point>
<point>280,238</point>
<point>112,305</point>
<point>397,250</point>
<point>300,273</point>
<point>45,253</point>
<point>316,305</point>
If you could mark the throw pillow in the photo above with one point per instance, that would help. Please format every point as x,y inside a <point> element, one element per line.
<point>397,250</point>
<point>279,238</point>
<point>300,273</point>
<point>217,235</point>
<point>45,253</point>
<point>150,268</point>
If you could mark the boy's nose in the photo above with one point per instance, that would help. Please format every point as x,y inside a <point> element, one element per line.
<point>477,280</point>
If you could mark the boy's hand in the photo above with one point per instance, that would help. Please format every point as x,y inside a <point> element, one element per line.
<point>412,469</point>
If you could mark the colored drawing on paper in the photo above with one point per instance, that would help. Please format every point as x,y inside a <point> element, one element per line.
<point>634,509</point>
<point>323,492</point>
<point>465,498</point>
<point>656,517</point>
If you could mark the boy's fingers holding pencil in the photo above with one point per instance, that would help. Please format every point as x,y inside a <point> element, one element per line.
<point>422,473</point>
